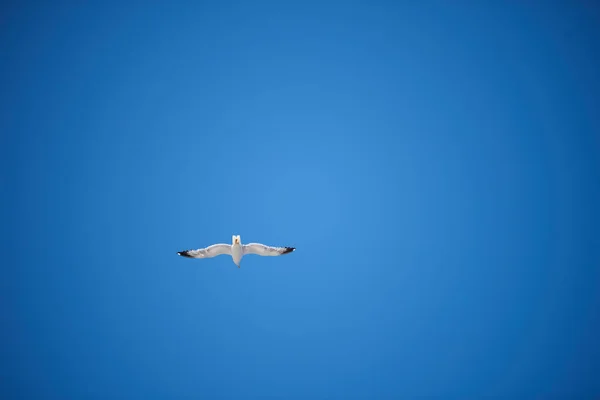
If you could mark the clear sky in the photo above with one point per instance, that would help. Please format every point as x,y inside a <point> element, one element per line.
<point>436,164</point>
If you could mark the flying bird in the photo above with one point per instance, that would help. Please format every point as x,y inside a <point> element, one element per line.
<point>236,250</point>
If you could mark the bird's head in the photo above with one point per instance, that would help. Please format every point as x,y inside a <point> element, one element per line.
<point>235,239</point>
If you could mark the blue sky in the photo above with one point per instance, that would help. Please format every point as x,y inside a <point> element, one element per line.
<point>435,165</point>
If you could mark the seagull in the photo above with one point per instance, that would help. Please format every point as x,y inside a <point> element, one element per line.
<point>236,250</point>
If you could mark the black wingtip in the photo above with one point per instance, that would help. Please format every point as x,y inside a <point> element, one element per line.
<point>184,254</point>
<point>288,250</point>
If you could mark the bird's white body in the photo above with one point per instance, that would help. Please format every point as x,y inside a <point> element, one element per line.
<point>236,250</point>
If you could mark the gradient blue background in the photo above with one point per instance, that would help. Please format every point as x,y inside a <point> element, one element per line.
<point>436,166</point>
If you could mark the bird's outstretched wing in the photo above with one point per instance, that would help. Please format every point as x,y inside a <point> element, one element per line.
<point>208,252</point>
<point>262,250</point>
